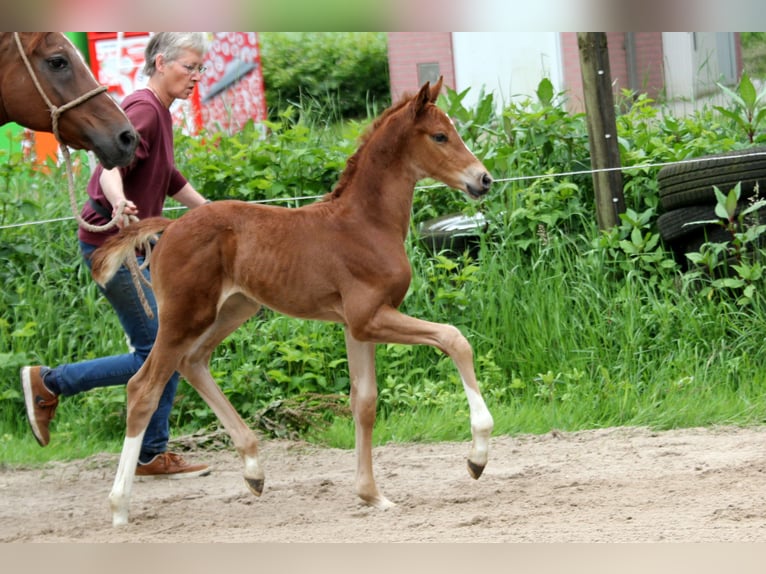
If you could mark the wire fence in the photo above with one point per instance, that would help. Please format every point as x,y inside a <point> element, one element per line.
<point>298,199</point>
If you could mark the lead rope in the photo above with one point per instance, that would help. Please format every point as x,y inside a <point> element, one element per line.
<point>56,112</point>
<point>131,262</point>
<point>119,216</point>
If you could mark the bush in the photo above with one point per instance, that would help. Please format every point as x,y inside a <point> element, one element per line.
<point>342,71</point>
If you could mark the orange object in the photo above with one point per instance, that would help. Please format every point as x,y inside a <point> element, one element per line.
<point>45,147</point>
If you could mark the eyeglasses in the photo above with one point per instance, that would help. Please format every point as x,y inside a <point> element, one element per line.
<point>191,69</point>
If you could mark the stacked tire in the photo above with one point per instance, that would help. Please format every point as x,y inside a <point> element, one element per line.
<point>687,197</point>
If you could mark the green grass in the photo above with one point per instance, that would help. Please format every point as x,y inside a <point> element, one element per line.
<point>560,343</point>
<point>754,54</point>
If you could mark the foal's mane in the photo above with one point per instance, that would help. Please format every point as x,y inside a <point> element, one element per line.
<point>351,164</point>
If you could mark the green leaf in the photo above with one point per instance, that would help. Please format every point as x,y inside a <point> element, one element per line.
<point>747,91</point>
<point>729,282</point>
<point>628,247</point>
<point>732,95</point>
<point>720,210</point>
<point>731,202</point>
<point>753,207</point>
<point>759,117</point>
<point>749,272</point>
<point>545,91</point>
<point>726,205</point>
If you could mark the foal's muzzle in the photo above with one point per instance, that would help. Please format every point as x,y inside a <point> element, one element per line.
<point>482,185</point>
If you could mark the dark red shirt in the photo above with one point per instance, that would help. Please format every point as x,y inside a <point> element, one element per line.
<point>151,177</point>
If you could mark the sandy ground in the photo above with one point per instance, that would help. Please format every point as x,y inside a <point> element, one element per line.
<point>611,485</point>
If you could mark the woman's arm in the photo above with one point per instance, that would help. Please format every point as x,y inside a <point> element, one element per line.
<point>189,196</point>
<point>111,184</point>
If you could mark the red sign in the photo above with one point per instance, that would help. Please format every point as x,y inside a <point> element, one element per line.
<point>231,90</point>
<point>117,60</point>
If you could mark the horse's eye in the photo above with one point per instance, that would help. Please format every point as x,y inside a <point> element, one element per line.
<point>57,63</point>
<point>439,138</point>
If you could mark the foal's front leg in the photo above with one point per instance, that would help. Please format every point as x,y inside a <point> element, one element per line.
<point>364,396</point>
<point>390,326</point>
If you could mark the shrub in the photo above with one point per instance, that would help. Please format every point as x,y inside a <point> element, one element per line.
<point>346,72</point>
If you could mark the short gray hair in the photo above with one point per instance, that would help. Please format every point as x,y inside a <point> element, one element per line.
<point>170,45</point>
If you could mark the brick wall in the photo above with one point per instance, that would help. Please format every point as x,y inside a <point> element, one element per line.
<point>649,65</point>
<point>408,49</point>
<point>650,68</point>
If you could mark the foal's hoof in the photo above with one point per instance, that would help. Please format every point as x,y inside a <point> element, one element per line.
<point>255,485</point>
<point>474,469</point>
<point>379,502</point>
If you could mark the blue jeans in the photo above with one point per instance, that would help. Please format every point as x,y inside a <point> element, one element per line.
<point>118,369</point>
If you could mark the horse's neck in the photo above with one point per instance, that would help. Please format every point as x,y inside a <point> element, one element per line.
<point>382,194</point>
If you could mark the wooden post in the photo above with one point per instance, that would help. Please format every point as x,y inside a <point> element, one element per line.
<point>602,127</point>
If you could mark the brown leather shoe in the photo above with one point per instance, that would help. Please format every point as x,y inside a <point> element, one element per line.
<point>170,465</point>
<point>41,403</point>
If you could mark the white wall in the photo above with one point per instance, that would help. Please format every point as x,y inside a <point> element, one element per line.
<point>510,64</point>
<point>695,61</point>
<point>679,64</point>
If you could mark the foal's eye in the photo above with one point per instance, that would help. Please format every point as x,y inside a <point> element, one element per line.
<point>439,138</point>
<point>57,63</point>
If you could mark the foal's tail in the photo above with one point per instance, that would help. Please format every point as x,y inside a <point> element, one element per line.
<point>108,258</point>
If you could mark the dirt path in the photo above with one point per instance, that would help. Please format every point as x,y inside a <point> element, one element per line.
<point>633,485</point>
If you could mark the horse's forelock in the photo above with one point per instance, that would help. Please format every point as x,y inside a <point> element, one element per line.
<point>35,39</point>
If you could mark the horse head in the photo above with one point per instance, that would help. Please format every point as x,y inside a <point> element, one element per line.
<point>439,151</point>
<point>54,76</point>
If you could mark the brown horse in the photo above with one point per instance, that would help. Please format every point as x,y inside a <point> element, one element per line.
<point>341,259</point>
<point>45,85</point>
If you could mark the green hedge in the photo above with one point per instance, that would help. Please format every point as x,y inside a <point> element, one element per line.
<point>343,71</point>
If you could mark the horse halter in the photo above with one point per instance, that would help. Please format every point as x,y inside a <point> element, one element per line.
<point>56,111</point>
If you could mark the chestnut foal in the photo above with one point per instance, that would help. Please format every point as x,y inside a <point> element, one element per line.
<point>340,259</point>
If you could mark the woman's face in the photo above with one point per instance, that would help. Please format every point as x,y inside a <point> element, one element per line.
<point>179,76</point>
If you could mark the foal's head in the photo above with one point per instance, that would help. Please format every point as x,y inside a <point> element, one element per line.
<point>425,139</point>
<point>436,149</point>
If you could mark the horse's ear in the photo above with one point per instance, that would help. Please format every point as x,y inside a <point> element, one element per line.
<point>436,89</point>
<point>428,94</point>
<point>423,98</point>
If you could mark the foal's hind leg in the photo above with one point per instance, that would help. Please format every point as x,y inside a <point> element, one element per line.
<point>364,395</point>
<point>144,390</point>
<point>195,368</point>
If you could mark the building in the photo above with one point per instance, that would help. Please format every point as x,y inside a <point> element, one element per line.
<point>679,67</point>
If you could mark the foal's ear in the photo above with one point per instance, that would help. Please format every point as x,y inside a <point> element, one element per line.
<point>427,95</point>
<point>422,99</point>
<point>436,89</point>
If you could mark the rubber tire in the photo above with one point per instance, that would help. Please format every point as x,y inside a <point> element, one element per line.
<point>692,243</point>
<point>684,221</point>
<point>691,183</point>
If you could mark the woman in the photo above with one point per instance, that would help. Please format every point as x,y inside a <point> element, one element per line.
<point>173,64</point>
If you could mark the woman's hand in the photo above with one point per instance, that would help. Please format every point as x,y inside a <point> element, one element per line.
<point>128,209</point>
